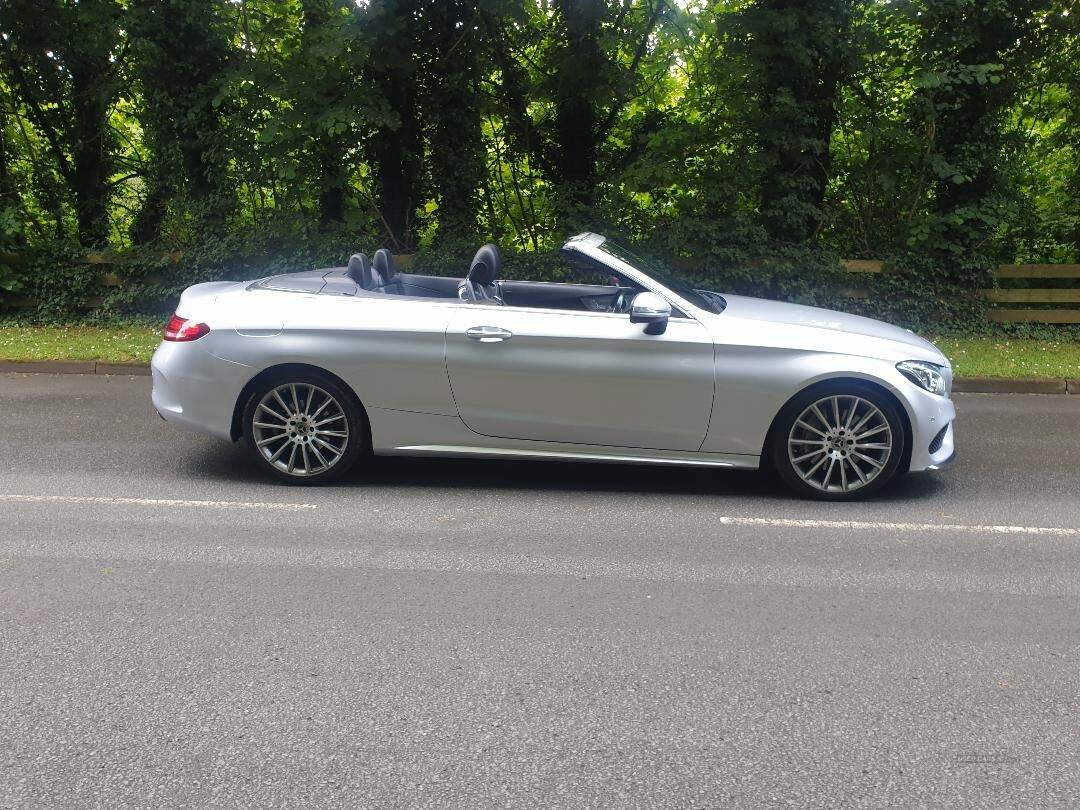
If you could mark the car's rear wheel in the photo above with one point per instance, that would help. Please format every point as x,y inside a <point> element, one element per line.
<point>303,428</point>
<point>838,442</point>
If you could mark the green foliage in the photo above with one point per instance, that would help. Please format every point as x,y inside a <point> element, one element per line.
<point>752,143</point>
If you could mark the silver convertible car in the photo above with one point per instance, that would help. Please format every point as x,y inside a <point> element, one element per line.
<point>314,369</point>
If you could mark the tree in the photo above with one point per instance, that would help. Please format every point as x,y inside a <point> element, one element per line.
<point>972,52</point>
<point>797,54</point>
<point>583,63</point>
<point>452,71</point>
<point>181,53</point>
<point>396,147</point>
<point>61,62</point>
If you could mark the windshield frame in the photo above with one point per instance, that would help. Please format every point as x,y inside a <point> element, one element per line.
<point>608,252</point>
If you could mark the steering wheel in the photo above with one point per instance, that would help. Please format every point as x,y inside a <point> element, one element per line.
<point>620,304</point>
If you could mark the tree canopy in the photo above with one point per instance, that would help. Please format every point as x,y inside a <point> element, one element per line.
<point>719,130</point>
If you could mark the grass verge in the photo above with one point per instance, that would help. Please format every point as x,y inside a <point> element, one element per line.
<point>124,344</point>
<point>134,343</point>
<point>1012,357</point>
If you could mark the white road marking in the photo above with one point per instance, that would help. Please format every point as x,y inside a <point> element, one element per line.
<point>724,520</point>
<point>104,501</point>
<point>860,525</point>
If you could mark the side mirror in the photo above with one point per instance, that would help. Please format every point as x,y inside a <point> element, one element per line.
<point>652,310</point>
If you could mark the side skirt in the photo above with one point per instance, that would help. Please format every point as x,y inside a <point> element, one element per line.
<point>405,433</point>
<point>609,455</point>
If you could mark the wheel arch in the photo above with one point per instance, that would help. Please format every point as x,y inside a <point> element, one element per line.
<point>905,417</point>
<point>236,429</point>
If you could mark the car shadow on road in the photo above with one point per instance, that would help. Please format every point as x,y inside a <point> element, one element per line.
<point>492,475</point>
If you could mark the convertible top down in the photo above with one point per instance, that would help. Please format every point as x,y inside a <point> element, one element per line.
<point>314,369</point>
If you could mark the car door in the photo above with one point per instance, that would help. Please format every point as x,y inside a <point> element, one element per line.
<point>580,377</point>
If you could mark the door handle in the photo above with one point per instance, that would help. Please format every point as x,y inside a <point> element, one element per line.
<point>488,334</point>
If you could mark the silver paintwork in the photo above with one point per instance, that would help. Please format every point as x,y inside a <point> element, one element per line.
<point>444,376</point>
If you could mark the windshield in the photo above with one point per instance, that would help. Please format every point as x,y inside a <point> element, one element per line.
<point>663,275</point>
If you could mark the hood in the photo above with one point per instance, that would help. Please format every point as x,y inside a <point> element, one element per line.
<point>841,323</point>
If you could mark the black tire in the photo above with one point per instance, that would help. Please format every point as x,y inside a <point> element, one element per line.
<point>314,388</point>
<point>781,433</point>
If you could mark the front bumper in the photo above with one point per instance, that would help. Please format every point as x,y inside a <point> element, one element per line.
<point>933,434</point>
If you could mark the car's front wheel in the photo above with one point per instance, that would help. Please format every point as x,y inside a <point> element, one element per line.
<point>838,442</point>
<point>303,428</point>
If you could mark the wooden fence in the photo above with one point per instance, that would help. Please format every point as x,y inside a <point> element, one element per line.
<point>1043,303</point>
<point>1045,299</point>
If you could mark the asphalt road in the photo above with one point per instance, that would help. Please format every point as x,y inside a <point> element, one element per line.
<point>487,634</point>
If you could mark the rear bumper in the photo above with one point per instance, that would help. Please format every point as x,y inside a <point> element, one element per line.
<point>194,390</point>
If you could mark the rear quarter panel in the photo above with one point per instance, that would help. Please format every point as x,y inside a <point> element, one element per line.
<point>390,351</point>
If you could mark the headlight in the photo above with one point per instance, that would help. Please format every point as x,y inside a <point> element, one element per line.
<point>925,375</point>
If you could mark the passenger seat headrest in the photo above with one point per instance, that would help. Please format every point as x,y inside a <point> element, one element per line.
<point>486,265</point>
<point>383,264</point>
<point>360,271</point>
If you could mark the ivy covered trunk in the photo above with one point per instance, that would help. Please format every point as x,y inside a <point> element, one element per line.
<point>967,90</point>
<point>453,95</point>
<point>797,49</point>
<point>579,77</point>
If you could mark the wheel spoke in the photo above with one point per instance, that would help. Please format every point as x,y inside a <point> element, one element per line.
<point>329,447</point>
<point>292,460</point>
<point>819,442</point>
<point>279,451</point>
<point>330,419</point>
<point>319,455</point>
<point>310,396</point>
<point>336,433</point>
<point>872,446</point>
<point>295,400</point>
<point>303,453</point>
<point>871,432</point>
<point>828,473</point>
<point>815,468</point>
<point>271,439</point>
<point>810,455</point>
<point>836,411</point>
<point>843,474</point>
<point>281,401</point>
<point>321,407</point>
<point>851,413</point>
<point>820,416</point>
<point>858,471</point>
<point>877,465</point>
<point>866,418</point>
<point>808,426</point>
<point>272,412</point>
<point>268,426</point>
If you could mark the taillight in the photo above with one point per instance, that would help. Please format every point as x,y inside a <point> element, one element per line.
<point>180,329</point>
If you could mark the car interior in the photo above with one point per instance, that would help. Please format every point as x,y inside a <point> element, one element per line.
<point>595,289</point>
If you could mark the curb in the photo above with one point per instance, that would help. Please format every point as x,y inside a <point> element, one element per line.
<point>90,367</point>
<point>1005,385</point>
<point>961,385</point>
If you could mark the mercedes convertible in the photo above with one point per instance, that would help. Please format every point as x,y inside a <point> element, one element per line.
<point>620,363</point>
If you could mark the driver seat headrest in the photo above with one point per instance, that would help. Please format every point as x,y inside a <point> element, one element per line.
<point>383,265</point>
<point>359,270</point>
<point>486,266</point>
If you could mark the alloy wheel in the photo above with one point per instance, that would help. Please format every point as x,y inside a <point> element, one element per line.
<point>300,429</point>
<point>840,443</point>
